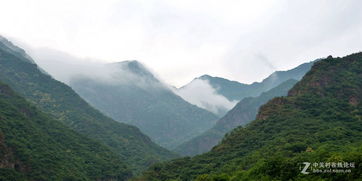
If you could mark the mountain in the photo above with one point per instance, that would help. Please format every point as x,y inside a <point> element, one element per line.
<point>9,47</point>
<point>226,93</point>
<point>35,147</point>
<point>60,101</point>
<point>133,95</point>
<point>319,122</point>
<point>244,112</point>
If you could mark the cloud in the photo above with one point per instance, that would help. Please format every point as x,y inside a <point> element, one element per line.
<point>67,68</point>
<point>64,67</point>
<point>184,39</point>
<point>200,93</point>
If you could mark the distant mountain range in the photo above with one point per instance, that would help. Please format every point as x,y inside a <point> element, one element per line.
<point>318,123</point>
<point>133,95</point>
<point>64,105</point>
<point>227,93</point>
<point>244,112</point>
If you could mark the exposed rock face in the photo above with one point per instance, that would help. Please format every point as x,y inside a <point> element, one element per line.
<point>353,101</point>
<point>267,109</point>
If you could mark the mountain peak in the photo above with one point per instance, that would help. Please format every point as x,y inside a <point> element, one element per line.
<point>131,62</point>
<point>212,78</point>
<point>137,68</point>
<point>205,76</point>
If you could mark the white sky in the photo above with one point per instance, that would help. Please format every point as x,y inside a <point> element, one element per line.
<point>183,39</point>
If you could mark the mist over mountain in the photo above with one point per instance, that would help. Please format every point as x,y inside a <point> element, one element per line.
<point>126,90</point>
<point>129,92</point>
<point>219,95</point>
<point>67,107</point>
<point>145,102</point>
<point>63,66</point>
<point>199,92</point>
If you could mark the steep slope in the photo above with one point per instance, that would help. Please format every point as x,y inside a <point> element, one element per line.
<point>35,147</point>
<point>226,93</point>
<point>244,112</point>
<point>320,121</point>
<point>135,96</point>
<point>59,100</point>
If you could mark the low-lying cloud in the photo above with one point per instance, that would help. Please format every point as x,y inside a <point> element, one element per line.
<point>199,92</point>
<point>67,68</point>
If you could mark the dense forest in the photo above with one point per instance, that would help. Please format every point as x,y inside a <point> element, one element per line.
<point>33,146</point>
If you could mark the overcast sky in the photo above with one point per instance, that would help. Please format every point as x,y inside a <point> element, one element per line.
<point>183,39</point>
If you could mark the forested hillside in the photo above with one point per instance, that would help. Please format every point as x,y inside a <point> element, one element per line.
<point>320,121</point>
<point>35,147</point>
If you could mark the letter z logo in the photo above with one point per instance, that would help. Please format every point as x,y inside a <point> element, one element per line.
<point>306,166</point>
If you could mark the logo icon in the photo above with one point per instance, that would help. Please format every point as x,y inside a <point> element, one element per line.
<point>306,166</point>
